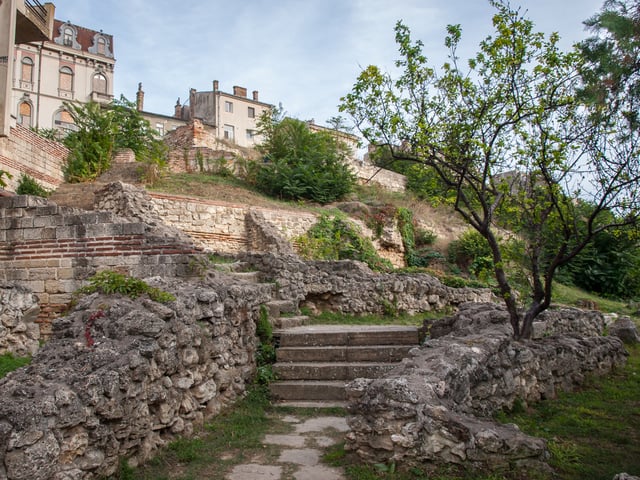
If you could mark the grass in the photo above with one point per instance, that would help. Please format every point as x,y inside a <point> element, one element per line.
<point>593,433</point>
<point>230,438</point>
<point>9,363</point>
<point>568,295</point>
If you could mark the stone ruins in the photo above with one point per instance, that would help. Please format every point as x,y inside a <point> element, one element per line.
<point>118,378</point>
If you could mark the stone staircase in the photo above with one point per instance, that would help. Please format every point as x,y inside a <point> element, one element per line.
<point>314,363</point>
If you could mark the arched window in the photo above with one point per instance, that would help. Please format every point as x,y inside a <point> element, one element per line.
<point>66,79</point>
<point>63,121</point>
<point>67,36</point>
<point>102,45</point>
<point>24,114</point>
<point>99,83</point>
<point>26,75</point>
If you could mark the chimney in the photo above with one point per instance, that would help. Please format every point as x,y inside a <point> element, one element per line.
<point>140,98</point>
<point>240,91</point>
<point>255,95</point>
<point>177,110</point>
<point>216,85</point>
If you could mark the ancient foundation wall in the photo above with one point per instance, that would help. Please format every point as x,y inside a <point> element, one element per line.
<point>52,250</point>
<point>436,409</point>
<point>120,378</point>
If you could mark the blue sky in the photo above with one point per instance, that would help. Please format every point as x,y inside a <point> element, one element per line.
<point>303,54</point>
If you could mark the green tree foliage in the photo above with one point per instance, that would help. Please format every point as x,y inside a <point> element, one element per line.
<point>300,164</point>
<point>100,131</point>
<point>508,134</point>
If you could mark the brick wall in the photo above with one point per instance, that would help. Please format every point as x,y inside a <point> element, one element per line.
<point>52,250</point>
<point>24,151</point>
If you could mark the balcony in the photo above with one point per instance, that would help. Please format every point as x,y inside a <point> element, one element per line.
<point>34,21</point>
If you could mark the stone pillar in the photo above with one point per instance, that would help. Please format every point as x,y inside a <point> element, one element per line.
<point>7,40</point>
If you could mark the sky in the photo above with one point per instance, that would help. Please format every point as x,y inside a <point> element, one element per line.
<point>303,54</point>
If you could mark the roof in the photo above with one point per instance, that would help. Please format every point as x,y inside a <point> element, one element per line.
<point>85,37</point>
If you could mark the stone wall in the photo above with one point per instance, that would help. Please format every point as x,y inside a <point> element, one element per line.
<point>436,409</point>
<point>351,287</point>
<point>24,151</point>
<point>52,250</point>
<point>368,174</point>
<point>221,226</point>
<point>120,378</point>
<point>19,333</point>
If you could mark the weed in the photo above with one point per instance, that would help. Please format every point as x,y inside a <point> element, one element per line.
<point>110,282</point>
<point>9,363</point>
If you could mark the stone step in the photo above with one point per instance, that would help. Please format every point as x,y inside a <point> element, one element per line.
<point>308,391</point>
<point>311,404</point>
<point>369,353</point>
<point>346,335</point>
<point>290,322</point>
<point>278,307</point>
<point>331,370</point>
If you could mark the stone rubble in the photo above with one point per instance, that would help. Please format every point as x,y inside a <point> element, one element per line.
<point>19,332</point>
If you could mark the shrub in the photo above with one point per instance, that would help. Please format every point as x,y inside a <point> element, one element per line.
<point>300,164</point>
<point>29,186</point>
<point>336,238</point>
<point>471,253</point>
<point>110,282</point>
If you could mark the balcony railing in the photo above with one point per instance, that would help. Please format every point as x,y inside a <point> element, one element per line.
<point>37,10</point>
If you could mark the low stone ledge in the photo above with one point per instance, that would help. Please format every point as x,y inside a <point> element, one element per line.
<point>436,408</point>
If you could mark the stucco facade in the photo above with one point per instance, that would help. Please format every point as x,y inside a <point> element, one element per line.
<point>76,65</point>
<point>233,116</point>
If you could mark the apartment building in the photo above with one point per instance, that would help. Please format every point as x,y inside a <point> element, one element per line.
<point>75,65</point>
<point>233,116</point>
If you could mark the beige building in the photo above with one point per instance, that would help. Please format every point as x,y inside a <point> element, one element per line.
<point>233,116</point>
<point>76,65</point>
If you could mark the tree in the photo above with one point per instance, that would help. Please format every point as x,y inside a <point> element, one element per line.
<point>100,131</point>
<point>508,134</point>
<point>302,164</point>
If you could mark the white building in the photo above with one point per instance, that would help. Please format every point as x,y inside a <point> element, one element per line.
<point>76,65</point>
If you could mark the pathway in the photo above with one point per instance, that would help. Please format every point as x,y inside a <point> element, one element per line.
<point>300,452</point>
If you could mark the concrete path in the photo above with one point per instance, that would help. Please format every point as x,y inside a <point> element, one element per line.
<point>300,452</point>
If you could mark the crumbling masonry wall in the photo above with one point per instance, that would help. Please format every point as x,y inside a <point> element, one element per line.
<point>436,409</point>
<point>120,378</point>
<point>52,250</point>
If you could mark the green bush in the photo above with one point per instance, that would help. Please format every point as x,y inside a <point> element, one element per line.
<point>29,186</point>
<point>336,238</point>
<point>110,282</point>
<point>472,254</point>
<point>300,164</point>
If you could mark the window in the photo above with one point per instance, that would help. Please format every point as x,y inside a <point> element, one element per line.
<point>24,114</point>
<point>66,79</point>
<point>102,45</point>
<point>229,132</point>
<point>100,83</point>
<point>252,112</point>
<point>27,70</point>
<point>64,121</point>
<point>160,129</point>
<point>67,37</point>
<point>228,107</point>
<point>251,134</point>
